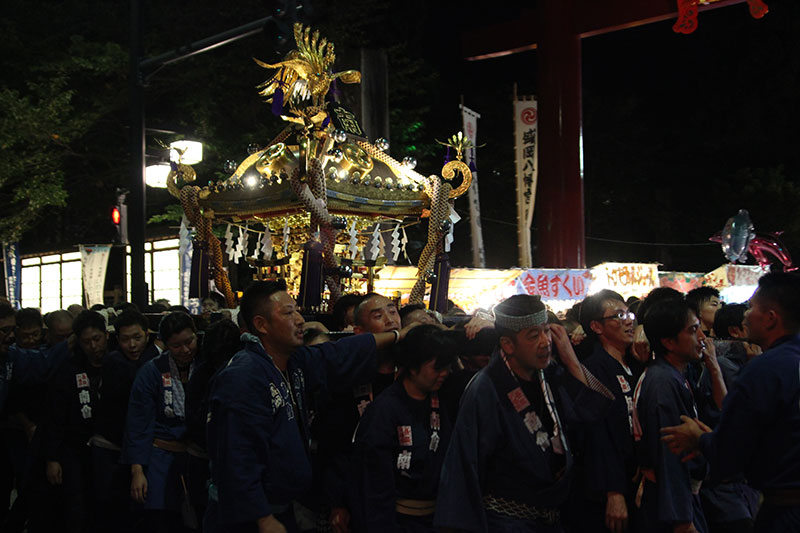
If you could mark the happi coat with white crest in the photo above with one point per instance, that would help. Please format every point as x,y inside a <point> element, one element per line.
<point>156,410</point>
<point>509,442</point>
<point>258,427</point>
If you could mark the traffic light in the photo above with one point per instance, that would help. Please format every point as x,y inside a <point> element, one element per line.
<point>119,217</point>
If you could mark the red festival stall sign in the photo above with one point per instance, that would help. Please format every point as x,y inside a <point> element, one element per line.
<point>553,284</point>
<point>734,276</point>
<point>736,283</point>
<point>681,281</point>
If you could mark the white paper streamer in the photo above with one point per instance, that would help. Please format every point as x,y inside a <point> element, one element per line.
<point>286,237</point>
<point>353,248</point>
<point>266,244</point>
<point>229,246</point>
<point>396,242</point>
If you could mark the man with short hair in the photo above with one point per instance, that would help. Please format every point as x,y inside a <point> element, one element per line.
<point>155,426</point>
<point>338,418</point>
<point>706,300</point>
<point>30,328</point>
<point>759,430</point>
<point>669,487</point>
<point>402,438</point>
<point>509,463</point>
<point>258,433</point>
<point>733,345</point>
<point>417,313</point>
<point>111,478</point>
<point>609,458</point>
<point>59,326</point>
<point>343,311</point>
<point>75,399</point>
<point>19,368</point>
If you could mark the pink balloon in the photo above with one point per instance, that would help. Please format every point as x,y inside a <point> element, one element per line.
<point>764,243</point>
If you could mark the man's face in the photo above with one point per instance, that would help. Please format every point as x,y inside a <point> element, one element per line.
<point>29,336</point>
<point>182,346</point>
<point>132,341</point>
<point>691,341</point>
<point>6,333</point>
<point>708,309</point>
<point>283,324</point>
<point>427,378</point>
<point>758,320</point>
<point>378,315</point>
<point>419,316</point>
<point>58,331</point>
<point>531,347</point>
<point>611,329</point>
<point>94,344</point>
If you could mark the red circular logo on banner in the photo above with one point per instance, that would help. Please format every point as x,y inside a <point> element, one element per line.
<point>528,115</point>
<point>470,130</point>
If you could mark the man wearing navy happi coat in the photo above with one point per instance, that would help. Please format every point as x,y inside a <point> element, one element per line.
<point>669,488</point>
<point>509,463</point>
<point>257,423</point>
<point>610,462</point>
<point>759,429</point>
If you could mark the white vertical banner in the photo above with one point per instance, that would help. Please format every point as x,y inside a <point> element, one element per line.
<point>526,126</point>
<point>94,261</point>
<point>470,119</point>
<point>185,251</point>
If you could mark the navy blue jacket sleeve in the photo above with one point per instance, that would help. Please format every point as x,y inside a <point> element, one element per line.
<point>375,441</point>
<point>239,427</point>
<point>459,504</point>
<point>750,413</point>
<point>339,365</point>
<point>675,501</point>
<point>140,423</point>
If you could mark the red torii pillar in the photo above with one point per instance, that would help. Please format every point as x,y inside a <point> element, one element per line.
<point>558,27</point>
<point>560,185</point>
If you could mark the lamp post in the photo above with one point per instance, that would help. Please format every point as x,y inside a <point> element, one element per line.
<point>140,70</point>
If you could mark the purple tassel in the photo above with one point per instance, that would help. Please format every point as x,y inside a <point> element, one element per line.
<point>277,102</point>
<point>198,279</point>
<point>335,94</point>
<point>472,166</point>
<point>311,276</point>
<point>447,157</point>
<point>441,285</point>
<point>326,122</point>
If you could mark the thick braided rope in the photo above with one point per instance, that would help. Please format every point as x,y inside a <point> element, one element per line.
<point>189,201</point>
<point>439,212</point>
<point>327,234</point>
<point>319,216</point>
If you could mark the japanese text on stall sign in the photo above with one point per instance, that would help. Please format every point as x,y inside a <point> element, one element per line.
<point>555,284</point>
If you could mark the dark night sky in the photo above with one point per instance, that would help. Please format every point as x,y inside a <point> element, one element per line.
<point>680,131</point>
<point>674,125</point>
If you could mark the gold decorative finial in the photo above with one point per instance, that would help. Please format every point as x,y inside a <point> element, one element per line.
<point>460,143</point>
<point>304,76</point>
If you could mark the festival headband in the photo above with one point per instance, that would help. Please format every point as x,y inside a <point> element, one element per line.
<point>518,323</point>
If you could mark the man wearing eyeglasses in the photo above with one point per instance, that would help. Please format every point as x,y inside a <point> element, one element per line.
<point>610,462</point>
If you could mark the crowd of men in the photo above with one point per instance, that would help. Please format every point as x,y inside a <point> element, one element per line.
<point>671,413</point>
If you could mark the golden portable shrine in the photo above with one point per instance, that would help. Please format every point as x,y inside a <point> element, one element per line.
<point>320,196</point>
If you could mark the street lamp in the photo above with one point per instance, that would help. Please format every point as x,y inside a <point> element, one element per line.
<point>156,175</point>
<point>188,152</point>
